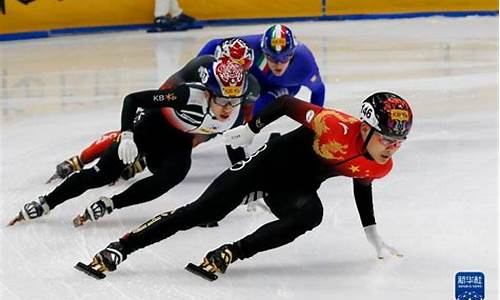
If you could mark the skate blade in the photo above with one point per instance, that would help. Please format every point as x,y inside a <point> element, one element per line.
<point>90,271</point>
<point>197,270</point>
<point>55,176</point>
<point>79,221</point>
<point>18,218</point>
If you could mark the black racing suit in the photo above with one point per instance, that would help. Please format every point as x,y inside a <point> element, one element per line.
<point>167,149</point>
<point>287,169</point>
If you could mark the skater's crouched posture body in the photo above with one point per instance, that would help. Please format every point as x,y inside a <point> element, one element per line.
<point>283,65</point>
<point>163,134</point>
<point>290,169</point>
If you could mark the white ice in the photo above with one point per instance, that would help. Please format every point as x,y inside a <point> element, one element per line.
<point>439,206</point>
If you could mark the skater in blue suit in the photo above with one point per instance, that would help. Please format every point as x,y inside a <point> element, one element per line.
<point>282,65</point>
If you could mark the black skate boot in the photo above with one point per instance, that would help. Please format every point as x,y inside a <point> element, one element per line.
<point>189,21</point>
<point>215,261</point>
<point>165,23</point>
<point>185,18</point>
<point>67,167</point>
<point>104,261</point>
<point>95,211</point>
<point>32,210</point>
<point>137,167</point>
<point>178,23</point>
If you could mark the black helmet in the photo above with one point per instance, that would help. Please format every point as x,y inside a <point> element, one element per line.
<point>388,114</point>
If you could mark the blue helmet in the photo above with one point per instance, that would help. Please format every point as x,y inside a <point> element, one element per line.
<point>225,78</point>
<point>278,43</point>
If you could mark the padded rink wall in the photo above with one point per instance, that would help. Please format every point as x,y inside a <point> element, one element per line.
<point>38,18</point>
<point>223,9</point>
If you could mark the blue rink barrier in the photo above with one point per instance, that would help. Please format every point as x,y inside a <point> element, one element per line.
<point>228,22</point>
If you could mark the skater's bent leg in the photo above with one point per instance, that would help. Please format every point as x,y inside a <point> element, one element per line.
<point>169,174</point>
<point>219,199</point>
<point>305,214</point>
<point>107,170</point>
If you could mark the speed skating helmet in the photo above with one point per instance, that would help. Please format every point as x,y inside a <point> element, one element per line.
<point>237,50</point>
<point>278,43</point>
<point>225,78</point>
<point>387,113</point>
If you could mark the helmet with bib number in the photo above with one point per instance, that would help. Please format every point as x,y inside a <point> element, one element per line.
<point>388,114</point>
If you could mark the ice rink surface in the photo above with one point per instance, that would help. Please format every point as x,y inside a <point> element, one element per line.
<point>439,206</point>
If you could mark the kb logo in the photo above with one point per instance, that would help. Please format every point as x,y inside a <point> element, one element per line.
<point>158,98</point>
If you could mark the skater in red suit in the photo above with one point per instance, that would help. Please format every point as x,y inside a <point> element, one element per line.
<point>289,170</point>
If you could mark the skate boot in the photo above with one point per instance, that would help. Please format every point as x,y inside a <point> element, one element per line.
<point>165,23</point>
<point>104,261</point>
<point>95,211</point>
<point>32,210</point>
<point>185,18</point>
<point>162,21</point>
<point>137,167</point>
<point>190,21</point>
<point>215,261</point>
<point>66,168</point>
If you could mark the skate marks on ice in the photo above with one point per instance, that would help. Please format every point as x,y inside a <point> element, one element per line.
<point>449,73</point>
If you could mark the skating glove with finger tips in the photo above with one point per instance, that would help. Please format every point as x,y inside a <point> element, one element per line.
<point>127,150</point>
<point>376,241</point>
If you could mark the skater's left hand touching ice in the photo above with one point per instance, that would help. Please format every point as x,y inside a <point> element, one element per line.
<point>380,246</point>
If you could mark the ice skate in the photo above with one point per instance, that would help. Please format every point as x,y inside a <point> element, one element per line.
<point>66,168</point>
<point>94,211</point>
<point>31,210</point>
<point>215,261</point>
<point>104,261</point>
<point>133,169</point>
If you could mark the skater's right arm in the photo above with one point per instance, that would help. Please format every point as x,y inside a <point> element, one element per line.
<point>301,111</point>
<point>175,97</point>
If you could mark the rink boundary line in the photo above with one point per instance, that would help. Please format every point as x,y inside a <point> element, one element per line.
<point>231,22</point>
